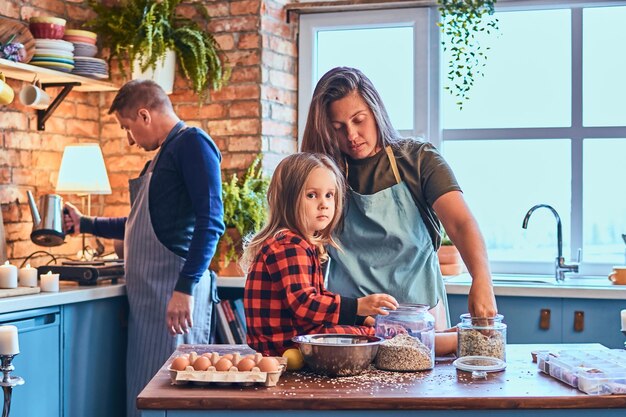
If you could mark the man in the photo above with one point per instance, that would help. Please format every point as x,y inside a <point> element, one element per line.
<point>170,235</point>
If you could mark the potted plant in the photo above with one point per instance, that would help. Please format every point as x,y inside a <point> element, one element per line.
<point>144,31</point>
<point>245,211</point>
<point>450,260</point>
<point>461,21</point>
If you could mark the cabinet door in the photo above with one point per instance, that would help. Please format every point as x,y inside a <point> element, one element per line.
<point>94,376</point>
<point>457,305</point>
<point>601,321</point>
<point>39,362</point>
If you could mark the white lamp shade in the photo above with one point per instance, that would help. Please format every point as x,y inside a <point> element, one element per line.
<point>82,171</point>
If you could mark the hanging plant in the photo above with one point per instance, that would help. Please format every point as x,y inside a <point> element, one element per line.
<point>147,29</point>
<point>461,22</point>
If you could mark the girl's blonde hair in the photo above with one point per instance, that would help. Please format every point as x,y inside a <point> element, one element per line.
<point>285,208</point>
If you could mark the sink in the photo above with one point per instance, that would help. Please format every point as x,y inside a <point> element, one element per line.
<point>523,279</point>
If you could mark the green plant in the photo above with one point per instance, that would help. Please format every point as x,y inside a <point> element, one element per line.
<point>147,29</point>
<point>445,239</point>
<point>461,22</point>
<point>245,205</point>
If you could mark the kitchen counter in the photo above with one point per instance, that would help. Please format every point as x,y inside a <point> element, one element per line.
<point>69,292</point>
<point>527,285</point>
<point>440,392</point>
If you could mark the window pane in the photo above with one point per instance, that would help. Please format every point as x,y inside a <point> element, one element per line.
<point>604,200</point>
<point>389,68</point>
<point>502,179</point>
<point>604,36</point>
<point>527,80</point>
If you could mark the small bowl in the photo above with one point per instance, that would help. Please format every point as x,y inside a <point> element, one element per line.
<point>83,33</point>
<point>47,19</point>
<point>81,39</point>
<point>46,30</point>
<point>338,354</point>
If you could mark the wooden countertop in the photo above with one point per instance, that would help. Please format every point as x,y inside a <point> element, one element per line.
<point>520,386</point>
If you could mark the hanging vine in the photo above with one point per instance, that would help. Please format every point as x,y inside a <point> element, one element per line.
<point>461,21</point>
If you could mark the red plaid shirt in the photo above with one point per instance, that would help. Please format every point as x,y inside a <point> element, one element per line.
<point>285,297</point>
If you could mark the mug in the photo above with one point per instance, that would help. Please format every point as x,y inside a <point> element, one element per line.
<point>6,92</point>
<point>33,96</point>
<point>618,276</point>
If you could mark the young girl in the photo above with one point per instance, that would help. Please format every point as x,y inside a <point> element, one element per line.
<point>285,294</point>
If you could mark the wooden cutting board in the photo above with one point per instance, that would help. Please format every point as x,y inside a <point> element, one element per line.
<point>12,292</point>
<point>9,27</point>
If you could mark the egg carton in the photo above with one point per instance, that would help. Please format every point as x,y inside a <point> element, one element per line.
<point>595,372</point>
<point>228,377</point>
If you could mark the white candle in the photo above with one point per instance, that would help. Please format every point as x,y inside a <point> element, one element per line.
<point>50,282</point>
<point>28,276</point>
<point>8,275</point>
<point>624,320</point>
<point>8,340</point>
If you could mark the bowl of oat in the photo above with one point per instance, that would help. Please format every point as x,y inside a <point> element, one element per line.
<point>338,354</point>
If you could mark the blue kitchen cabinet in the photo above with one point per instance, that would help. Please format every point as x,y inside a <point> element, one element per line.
<point>94,355</point>
<point>39,362</point>
<point>554,320</point>
<point>600,321</point>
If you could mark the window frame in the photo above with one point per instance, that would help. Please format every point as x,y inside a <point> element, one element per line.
<point>425,122</point>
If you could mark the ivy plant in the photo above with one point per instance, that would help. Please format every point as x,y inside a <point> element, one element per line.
<point>145,30</point>
<point>461,22</point>
<point>245,205</point>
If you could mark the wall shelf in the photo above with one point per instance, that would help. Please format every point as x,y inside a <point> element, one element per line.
<point>52,78</point>
<point>26,72</point>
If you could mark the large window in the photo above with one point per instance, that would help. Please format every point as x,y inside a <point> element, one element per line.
<point>546,124</point>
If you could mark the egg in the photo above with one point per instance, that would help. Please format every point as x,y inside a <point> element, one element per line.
<point>180,363</point>
<point>223,365</point>
<point>202,363</point>
<point>228,356</point>
<point>245,365</point>
<point>268,364</point>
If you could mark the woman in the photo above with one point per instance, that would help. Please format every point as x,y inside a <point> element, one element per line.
<point>399,191</point>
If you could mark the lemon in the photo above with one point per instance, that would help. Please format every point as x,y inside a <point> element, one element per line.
<point>295,360</point>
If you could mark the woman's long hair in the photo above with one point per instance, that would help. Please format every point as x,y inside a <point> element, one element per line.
<point>286,211</point>
<point>319,135</point>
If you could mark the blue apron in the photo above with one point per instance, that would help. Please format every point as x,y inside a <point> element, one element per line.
<point>151,273</point>
<point>386,248</point>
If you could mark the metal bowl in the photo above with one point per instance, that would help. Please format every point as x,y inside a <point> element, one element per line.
<point>338,354</point>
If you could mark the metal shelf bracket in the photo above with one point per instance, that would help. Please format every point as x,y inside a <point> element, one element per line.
<point>43,115</point>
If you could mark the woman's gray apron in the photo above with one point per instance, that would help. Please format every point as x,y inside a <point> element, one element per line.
<point>151,274</point>
<point>386,248</point>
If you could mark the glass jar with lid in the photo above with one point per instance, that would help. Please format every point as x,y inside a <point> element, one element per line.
<point>482,336</point>
<point>409,333</point>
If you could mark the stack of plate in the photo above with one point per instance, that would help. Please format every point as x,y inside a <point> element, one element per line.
<point>91,67</point>
<point>84,42</point>
<point>55,54</point>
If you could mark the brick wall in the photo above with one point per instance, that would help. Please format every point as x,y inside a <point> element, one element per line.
<point>255,112</point>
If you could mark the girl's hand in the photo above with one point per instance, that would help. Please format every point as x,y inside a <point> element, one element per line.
<point>373,304</point>
<point>369,321</point>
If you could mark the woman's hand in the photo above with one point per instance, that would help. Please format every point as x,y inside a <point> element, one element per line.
<point>481,301</point>
<point>373,304</point>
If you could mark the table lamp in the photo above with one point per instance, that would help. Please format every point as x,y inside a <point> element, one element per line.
<point>83,173</point>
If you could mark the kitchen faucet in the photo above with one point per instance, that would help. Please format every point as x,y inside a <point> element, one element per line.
<point>560,266</point>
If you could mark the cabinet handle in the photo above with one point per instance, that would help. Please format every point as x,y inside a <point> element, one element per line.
<point>544,319</point>
<point>579,321</point>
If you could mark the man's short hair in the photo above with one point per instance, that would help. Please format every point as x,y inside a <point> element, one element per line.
<point>138,94</point>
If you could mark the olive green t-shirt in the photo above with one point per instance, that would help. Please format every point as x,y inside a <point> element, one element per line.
<point>421,167</point>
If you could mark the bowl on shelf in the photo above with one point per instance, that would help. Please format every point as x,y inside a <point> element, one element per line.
<point>47,19</point>
<point>46,30</point>
<point>338,354</point>
<point>83,33</point>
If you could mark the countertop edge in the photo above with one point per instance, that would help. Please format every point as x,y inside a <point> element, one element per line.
<point>69,293</point>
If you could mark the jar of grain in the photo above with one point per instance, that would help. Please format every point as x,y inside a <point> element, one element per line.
<point>409,333</point>
<point>482,336</point>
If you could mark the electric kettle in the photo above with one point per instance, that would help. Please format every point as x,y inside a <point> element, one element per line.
<point>47,227</point>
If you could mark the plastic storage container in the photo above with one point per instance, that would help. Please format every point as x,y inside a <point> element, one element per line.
<point>595,372</point>
<point>409,333</point>
<point>482,336</point>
